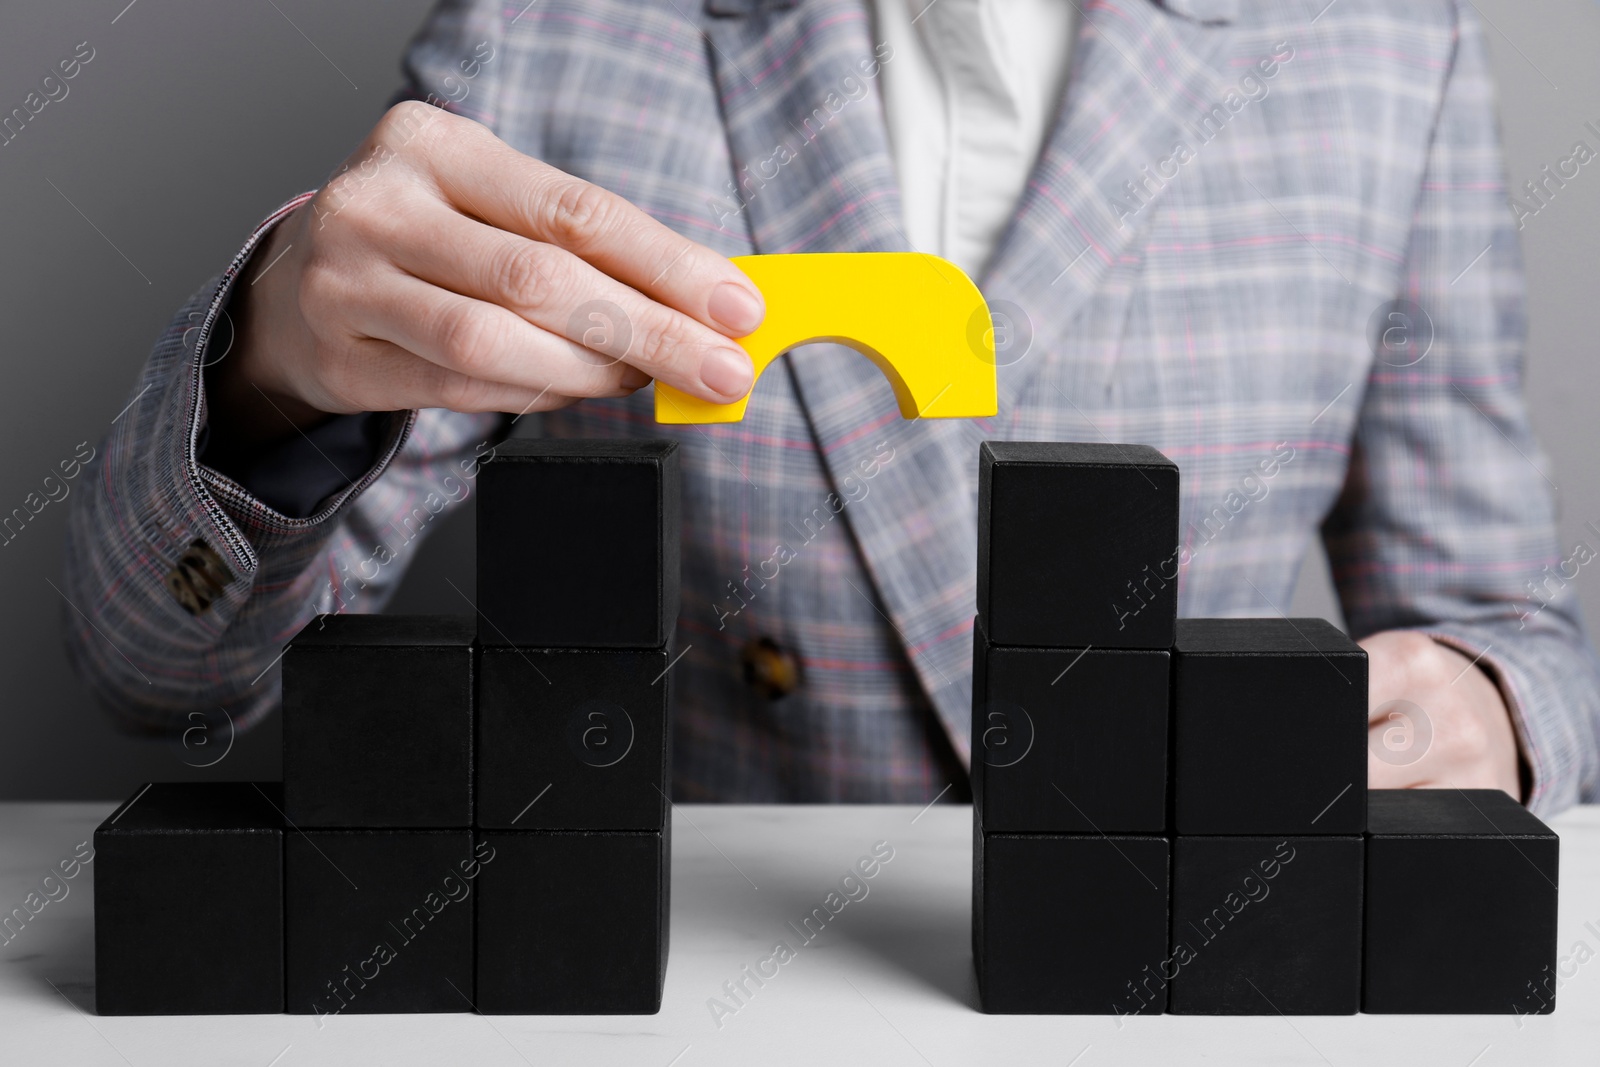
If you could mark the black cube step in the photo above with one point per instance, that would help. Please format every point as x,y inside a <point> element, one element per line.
<point>188,901</point>
<point>1269,723</point>
<point>377,722</point>
<point>1069,740</point>
<point>572,922</point>
<point>578,543</point>
<point>1266,926</point>
<point>1461,904</point>
<point>379,920</point>
<point>573,739</point>
<point>1069,924</point>
<point>1077,544</point>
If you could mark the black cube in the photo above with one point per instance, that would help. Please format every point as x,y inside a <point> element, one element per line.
<point>1077,544</point>
<point>1070,924</point>
<point>188,902</point>
<point>379,920</point>
<point>1266,926</point>
<point>573,739</point>
<point>1069,740</point>
<point>1461,904</point>
<point>377,722</point>
<point>578,543</point>
<point>1269,728</point>
<point>573,922</point>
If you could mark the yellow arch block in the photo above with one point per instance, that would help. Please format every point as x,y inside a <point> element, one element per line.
<point>918,317</point>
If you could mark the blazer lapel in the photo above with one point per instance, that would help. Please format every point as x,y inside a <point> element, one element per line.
<point>1144,76</point>
<point>798,85</point>
<point>800,95</point>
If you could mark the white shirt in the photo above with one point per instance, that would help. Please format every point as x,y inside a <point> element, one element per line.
<point>969,93</point>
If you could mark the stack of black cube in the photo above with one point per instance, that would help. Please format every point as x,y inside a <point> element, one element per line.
<point>1269,805</point>
<point>1172,815</point>
<point>474,812</point>
<point>1071,673</point>
<point>578,571</point>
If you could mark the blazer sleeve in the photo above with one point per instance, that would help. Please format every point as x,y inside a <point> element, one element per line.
<point>181,585</point>
<point>1447,523</point>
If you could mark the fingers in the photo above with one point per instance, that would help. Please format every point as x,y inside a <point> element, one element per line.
<point>1383,774</point>
<point>1399,730</point>
<point>553,289</point>
<point>481,341</point>
<point>384,377</point>
<point>448,270</point>
<point>488,179</point>
<point>1389,656</point>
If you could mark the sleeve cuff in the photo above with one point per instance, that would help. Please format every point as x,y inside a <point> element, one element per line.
<point>162,557</point>
<point>284,494</point>
<point>296,476</point>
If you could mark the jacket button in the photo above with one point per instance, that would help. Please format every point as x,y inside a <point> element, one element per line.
<point>770,669</point>
<point>198,578</point>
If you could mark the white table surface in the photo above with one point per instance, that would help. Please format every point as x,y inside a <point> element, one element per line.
<point>888,982</point>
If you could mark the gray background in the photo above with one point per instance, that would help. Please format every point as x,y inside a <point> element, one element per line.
<point>194,119</point>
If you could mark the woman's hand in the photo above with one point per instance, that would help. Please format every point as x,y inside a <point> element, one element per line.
<point>442,268</point>
<point>1435,718</point>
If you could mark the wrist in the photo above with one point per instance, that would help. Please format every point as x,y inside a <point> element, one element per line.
<point>250,398</point>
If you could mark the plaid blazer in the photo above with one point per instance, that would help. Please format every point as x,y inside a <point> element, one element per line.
<point>1236,198</point>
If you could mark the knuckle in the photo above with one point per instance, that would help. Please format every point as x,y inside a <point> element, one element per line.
<point>598,382</point>
<point>466,333</point>
<point>370,192</point>
<point>406,112</point>
<point>577,210</point>
<point>1459,741</point>
<point>524,277</point>
<point>457,392</point>
<point>654,346</point>
<point>406,121</point>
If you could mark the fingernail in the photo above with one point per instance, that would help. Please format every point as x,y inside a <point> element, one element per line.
<point>736,308</point>
<point>727,373</point>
